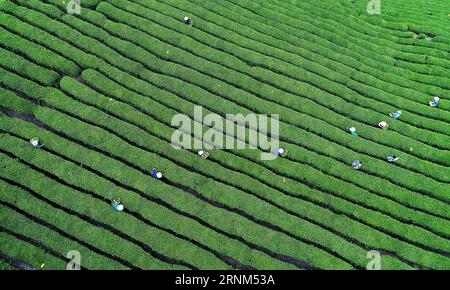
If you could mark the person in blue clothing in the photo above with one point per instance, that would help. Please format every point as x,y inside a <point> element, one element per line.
<point>281,152</point>
<point>155,173</point>
<point>396,115</point>
<point>435,102</point>
<point>117,205</point>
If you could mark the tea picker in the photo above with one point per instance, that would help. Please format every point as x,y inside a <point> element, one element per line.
<point>435,102</point>
<point>155,173</point>
<point>203,154</point>
<point>383,125</point>
<point>188,21</point>
<point>117,205</point>
<point>356,164</point>
<point>392,159</point>
<point>281,152</point>
<point>352,131</point>
<point>396,115</point>
<point>35,142</point>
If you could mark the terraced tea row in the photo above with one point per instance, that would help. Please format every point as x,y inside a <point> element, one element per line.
<point>100,90</point>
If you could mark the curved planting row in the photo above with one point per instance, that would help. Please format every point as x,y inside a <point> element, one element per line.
<point>91,32</point>
<point>283,51</point>
<point>435,66</point>
<point>425,23</point>
<point>27,254</point>
<point>17,209</point>
<point>44,57</point>
<point>9,263</point>
<point>152,212</point>
<point>154,110</point>
<point>185,204</point>
<point>325,117</point>
<point>105,129</point>
<point>265,91</point>
<point>334,33</point>
<point>42,75</point>
<point>396,27</point>
<point>78,92</point>
<point>328,38</point>
<point>428,16</point>
<point>290,70</point>
<point>207,192</point>
<point>119,225</point>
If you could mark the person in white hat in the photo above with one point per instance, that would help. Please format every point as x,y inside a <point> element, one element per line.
<point>187,21</point>
<point>356,164</point>
<point>352,131</point>
<point>203,154</point>
<point>435,102</point>
<point>117,205</point>
<point>383,125</point>
<point>35,143</point>
<point>156,174</point>
<point>281,152</point>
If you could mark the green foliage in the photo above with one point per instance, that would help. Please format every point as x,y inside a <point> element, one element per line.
<point>102,88</point>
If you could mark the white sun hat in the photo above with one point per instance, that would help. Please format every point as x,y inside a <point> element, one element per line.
<point>383,124</point>
<point>201,152</point>
<point>352,129</point>
<point>437,98</point>
<point>186,18</point>
<point>34,141</point>
<point>120,207</point>
<point>159,175</point>
<point>281,150</point>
